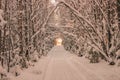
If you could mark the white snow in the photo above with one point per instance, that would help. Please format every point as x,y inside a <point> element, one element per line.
<point>118,53</point>
<point>2,70</point>
<point>61,65</point>
<point>2,21</point>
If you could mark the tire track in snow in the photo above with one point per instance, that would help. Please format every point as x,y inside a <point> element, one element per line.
<point>47,68</point>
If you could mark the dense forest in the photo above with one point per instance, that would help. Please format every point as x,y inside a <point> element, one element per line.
<point>28,28</point>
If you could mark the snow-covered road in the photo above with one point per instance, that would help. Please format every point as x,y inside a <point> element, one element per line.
<point>61,65</point>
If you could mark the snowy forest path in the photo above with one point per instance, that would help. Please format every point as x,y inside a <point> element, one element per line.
<point>61,65</point>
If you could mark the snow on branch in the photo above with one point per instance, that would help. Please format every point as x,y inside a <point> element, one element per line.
<point>77,13</point>
<point>2,21</point>
<point>74,11</point>
<point>104,15</point>
<point>44,24</point>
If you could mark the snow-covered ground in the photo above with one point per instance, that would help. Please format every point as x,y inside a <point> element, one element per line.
<point>61,65</point>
